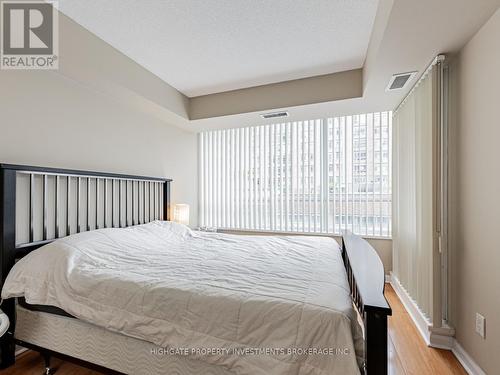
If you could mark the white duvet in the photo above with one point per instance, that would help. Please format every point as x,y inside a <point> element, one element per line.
<point>253,304</point>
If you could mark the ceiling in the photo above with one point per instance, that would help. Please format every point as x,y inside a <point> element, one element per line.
<point>227,55</point>
<point>407,36</point>
<point>210,46</point>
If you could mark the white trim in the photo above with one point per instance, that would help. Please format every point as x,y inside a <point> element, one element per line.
<point>320,234</point>
<point>418,317</point>
<point>466,360</point>
<point>388,278</point>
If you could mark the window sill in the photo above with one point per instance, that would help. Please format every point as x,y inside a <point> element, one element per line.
<point>319,234</point>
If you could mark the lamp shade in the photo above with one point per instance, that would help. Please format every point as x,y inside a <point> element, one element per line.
<point>181,213</point>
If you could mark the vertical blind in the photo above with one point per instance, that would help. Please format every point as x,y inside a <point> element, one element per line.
<point>319,176</point>
<point>417,254</point>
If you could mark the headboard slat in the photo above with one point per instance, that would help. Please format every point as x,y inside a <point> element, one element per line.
<point>60,202</point>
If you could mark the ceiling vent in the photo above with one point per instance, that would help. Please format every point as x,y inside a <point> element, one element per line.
<point>399,81</point>
<point>274,114</point>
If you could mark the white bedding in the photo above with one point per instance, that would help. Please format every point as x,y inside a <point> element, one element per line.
<point>252,304</point>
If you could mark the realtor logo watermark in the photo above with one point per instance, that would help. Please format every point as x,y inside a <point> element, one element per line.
<point>29,35</point>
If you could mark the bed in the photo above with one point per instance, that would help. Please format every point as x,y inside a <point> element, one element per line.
<point>135,293</point>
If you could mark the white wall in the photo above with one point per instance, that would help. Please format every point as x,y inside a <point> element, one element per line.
<point>475,199</point>
<point>68,119</point>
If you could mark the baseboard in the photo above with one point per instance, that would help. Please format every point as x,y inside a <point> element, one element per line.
<point>418,317</point>
<point>466,360</point>
<point>388,278</point>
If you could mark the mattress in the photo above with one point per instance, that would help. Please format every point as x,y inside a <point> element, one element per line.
<point>249,304</point>
<point>105,348</point>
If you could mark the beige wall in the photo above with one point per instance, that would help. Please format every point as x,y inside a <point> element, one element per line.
<point>96,115</point>
<point>475,198</point>
<point>318,89</point>
<point>383,246</point>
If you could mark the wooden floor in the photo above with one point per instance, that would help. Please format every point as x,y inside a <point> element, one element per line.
<point>408,354</point>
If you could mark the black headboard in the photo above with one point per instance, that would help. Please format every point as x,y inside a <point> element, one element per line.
<point>59,202</point>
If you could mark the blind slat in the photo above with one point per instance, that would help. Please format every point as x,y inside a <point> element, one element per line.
<point>281,176</point>
<point>373,172</point>
<point>294,176</point>
<point>246,170</point>
<point>262,149</point>
<point>266,178</point>
<point>272,167</point>
<point>303,176</point>
<point>308,156</point>
<point>223,181</point>
<point>202,176</point>
<point>288,176</point>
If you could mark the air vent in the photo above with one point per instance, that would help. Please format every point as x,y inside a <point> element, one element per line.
<point>399,81</point>
<point>274,114</point>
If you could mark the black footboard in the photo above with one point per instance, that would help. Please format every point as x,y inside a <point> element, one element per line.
<point>366,276</point>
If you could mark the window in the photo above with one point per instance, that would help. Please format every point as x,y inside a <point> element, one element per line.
<point>320,176</point>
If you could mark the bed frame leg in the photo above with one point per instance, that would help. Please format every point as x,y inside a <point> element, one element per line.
<point>7,351</point>
<point>7,345</point>
<point>376,343</point>
<point>48,370</point>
